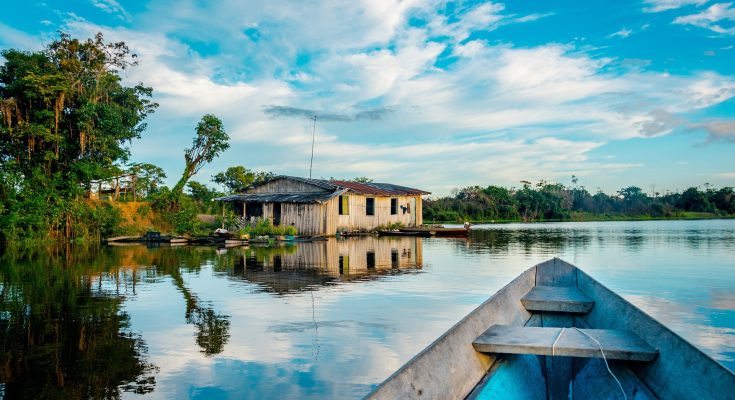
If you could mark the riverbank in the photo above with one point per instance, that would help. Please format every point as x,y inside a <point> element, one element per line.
<point>588,217</point>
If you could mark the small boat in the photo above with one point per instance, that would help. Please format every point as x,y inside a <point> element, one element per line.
<point>439,231</point>
<point>422,233</point>
<point>556,333</point>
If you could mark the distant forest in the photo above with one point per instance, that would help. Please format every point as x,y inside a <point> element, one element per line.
<point>554,201</point>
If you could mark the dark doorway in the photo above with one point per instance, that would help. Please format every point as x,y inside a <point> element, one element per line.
<point>277,213</point>
<point>253,210</point>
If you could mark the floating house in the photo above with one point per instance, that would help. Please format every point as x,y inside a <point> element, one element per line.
<point>324,207</point>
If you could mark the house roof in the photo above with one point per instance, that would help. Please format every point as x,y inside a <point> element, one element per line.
<point>310,197</point>
<point>332,189</point>
<point>379,189</point>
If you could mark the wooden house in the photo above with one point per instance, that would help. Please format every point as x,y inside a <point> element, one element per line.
<point>322,207</point>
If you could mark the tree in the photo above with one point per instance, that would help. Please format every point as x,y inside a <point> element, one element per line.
<point>65,119</point>
<point>210,141</point>
<point>148,178</point>
<point>236,178</point>
<point>64,110</point>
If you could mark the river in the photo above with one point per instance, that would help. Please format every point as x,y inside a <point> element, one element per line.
<point>327,319</point>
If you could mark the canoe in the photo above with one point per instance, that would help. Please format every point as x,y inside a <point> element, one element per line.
<point>439,231</point>
<point>543,337</point>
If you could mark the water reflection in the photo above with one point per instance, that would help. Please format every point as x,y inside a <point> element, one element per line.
<point>325,319</point>
<point>309,265</point>
<point>60,327</point>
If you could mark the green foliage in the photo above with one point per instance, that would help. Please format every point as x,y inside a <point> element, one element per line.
<point>234,179</point>
<point>264,227</point>
<point>391,226</point>
<point>209,142</point>
<point>149,178</point>
<point>203,196</point>
<point>65,119</point>
<point>546,201</point>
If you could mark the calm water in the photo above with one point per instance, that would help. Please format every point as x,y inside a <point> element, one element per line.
<point>325,319</point>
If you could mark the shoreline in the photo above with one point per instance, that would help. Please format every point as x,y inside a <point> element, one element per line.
<point>599,218</point>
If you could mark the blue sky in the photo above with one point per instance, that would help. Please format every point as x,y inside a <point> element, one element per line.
<point>427,93</point>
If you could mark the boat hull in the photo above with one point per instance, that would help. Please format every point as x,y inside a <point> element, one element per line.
<point>451,368</point>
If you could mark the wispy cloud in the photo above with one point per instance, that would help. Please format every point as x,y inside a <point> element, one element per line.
<point>712,18</point>
<point>665,5</point>
<point>623,33</point>
<point>498,112</point>
<point>717,130</point>
<point>112,7</point>
<point>322,116</point>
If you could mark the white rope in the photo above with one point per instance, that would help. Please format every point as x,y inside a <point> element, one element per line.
<point>553,346</point>
<point>604,359</point>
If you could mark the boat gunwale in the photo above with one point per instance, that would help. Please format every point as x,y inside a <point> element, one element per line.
<point>599,290</point>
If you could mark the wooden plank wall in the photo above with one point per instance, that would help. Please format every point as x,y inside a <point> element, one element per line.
<point>309,219</point>
<point>358,220</point>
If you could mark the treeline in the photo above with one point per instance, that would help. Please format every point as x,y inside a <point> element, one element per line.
<point>67,120</point>
<point>554,201</point>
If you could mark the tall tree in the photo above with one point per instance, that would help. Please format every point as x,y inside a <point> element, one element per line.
<point>210,141</point>
<point>65,118</point>
<point>236,178</point>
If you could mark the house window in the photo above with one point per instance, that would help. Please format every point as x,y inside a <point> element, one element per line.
<point>344,205</point>
<point>370,259</point>
<point>370,206</point>
<point>393,206</point>
<point>394,258</point>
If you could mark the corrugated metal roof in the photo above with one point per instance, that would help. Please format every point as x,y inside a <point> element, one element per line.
<point>317,197</point>
<point>316,182</point>
<point>370,188</point>
<point>379,189</point>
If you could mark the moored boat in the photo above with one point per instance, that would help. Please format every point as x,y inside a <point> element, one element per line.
<point>556,333</point>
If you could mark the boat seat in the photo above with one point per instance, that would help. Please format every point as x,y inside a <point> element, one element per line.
<point>617,344</point>
<point>557,299</point>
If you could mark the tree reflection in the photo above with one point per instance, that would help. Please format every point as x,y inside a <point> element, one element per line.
<point>63,337</point>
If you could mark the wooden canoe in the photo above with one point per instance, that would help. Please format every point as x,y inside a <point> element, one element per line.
<point>513,347</point>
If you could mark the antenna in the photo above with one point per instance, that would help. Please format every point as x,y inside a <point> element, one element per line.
<point>313,136</point>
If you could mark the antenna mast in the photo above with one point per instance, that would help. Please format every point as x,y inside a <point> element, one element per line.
<point>313,136</point>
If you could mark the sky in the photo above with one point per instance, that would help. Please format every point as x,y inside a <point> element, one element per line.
<point>425,93</point>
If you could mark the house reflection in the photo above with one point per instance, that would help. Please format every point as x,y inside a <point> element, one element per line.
<point>310,265</point>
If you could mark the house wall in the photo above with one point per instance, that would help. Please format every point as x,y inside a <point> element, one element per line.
<point>358,220</point>
<point>308,218</point>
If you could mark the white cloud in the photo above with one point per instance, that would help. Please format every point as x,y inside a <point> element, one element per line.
<point>665,5</point>
<point>623,33</point>
<point>112,7</point>
<point>13,38</point>
<point>712,18</point>
<point>497,112</point>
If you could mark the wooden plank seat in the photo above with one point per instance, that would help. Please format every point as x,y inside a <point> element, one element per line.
<point>617,345</point>
<point>557,299</point>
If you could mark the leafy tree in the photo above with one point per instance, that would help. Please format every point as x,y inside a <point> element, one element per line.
<point>65,119</point>
<point>361,179</point>
<point>149,178</point>
<point>210,141</point>
<point>234,179</point>
<point>694,200</point>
